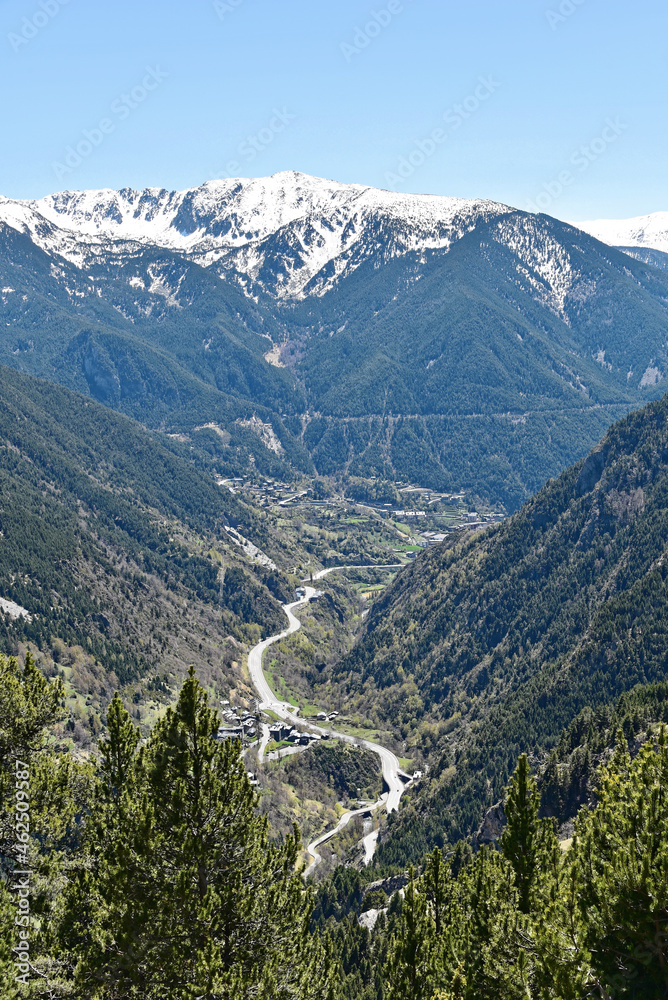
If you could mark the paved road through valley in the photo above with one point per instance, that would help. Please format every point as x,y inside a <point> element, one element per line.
<point>395,779</point>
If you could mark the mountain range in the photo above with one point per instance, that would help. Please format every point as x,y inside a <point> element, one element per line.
<point>292,326</point>
<point>289,235</point>
<point>335,328</point>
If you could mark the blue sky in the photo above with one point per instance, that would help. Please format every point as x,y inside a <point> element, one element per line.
<point>559,105</point>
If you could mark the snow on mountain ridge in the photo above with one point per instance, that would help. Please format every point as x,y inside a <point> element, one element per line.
<point>649,231</point>
<point>259,206</point>
<point>230,223</point>
<point>543,262</point>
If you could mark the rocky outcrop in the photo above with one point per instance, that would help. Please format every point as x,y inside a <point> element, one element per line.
<point>492,826</point>
<point>368,918</point>
<point>388,885</point>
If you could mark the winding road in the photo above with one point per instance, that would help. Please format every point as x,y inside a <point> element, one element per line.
<point>394,778</point>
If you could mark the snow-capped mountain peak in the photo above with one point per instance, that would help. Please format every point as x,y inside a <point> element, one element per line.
<point>646,231</point>
<point>238,225</point>
<point>235,210</point>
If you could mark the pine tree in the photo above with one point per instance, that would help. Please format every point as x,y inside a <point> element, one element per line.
<point>519,841</point>
<point>436,879</point>
<point>556,942</point>
<point>181,893</point>
<point>597,920</point>
<point>411,960</point>
<point>52,788</point>
<point>29,703</point>
<point>484,938</point>
<point>620,865</point>
<point>8,941</point>
<point>118,750</point>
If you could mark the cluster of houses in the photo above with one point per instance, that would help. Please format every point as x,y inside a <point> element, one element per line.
<point>238,724</point>
<point>473,522</point>
<point>269,492</point>
<point>235,728</point>
<point>284,732</point>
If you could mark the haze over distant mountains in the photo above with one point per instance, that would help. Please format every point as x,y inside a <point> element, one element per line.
<point>338,328</point>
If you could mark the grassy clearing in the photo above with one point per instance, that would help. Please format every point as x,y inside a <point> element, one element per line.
<point>306,709</point>
<point>374,735</point>
<point>281,690</point>
<point>277,684</point>
<point>272,746</point>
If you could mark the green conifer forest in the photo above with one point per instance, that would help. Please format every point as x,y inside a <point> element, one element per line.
<point>150,874</point>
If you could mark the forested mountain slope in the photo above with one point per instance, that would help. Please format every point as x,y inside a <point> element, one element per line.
<point>568,779</point>
<point>113,541</point>
<point>147,333</point>
<point>522,340</point>
<point>501,638</point>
